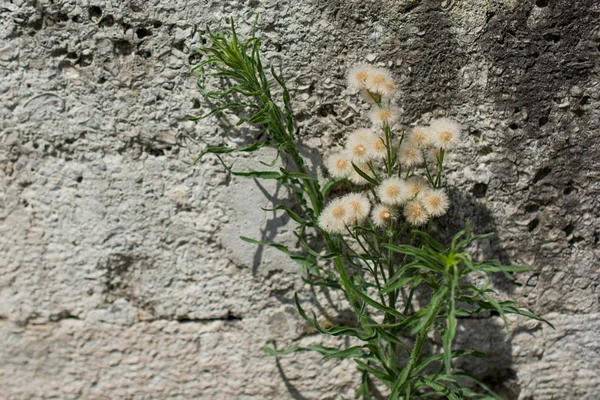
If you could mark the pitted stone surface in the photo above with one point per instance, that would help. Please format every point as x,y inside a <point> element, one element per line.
<point>121,271</point>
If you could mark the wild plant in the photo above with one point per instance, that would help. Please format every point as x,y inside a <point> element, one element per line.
<point>374,243</point>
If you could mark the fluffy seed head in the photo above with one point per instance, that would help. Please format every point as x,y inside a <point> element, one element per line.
<point>382,215</point>
<point>334,216</point>
<point>358,205</point>
<point>420,136</point>
<point>379,81</point>
<point>384,115</point>
<point>378,148</point>
<point>393,191</point>
<point>416,185</point>
<point>415,213</point>
<point>367,96</point>
<point>446,133</point>
<point>355,178</point>
<point>435,202</point>
<point>358,146</point>
<point>339,165</point>
<point>409,155</point>
<point>433,154</point>
<point>358,75</point>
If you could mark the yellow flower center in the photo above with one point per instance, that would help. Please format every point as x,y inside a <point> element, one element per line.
<point>435,201</point>
<point>393,191</point>
<point>377,79</point>
<point>359,150</point>
<point>379,145</point>
<point>361,75</point>
<point>338,212</point>
<point>385,115</point>
<point>446,136</point>
<point>341,164</point>
<point>355,205</point>
<point>385,214</point>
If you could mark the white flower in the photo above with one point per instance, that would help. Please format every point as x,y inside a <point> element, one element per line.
<point>359,206</point>
<point>378,149</point>
<point>368,96</point>
<point>355,177</point>
<point>416,185</point>
<point>382,214</point>
<point>379,81</point>
<point>338,165</point>
<point>420,136</point>
<point>409,155</point>
<point>415,213</point>
<point>334,216</point>
<point>433,154</point>
<point>358,75</point>
<point>446,133</point>
<point>358,146</point>
<point>435,202</point>
<point>384,115</point>
<point>393,191</point>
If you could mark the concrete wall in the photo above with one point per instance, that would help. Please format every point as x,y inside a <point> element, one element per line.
<point>121,272</point>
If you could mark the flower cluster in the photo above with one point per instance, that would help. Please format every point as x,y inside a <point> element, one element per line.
<point>399,171</point>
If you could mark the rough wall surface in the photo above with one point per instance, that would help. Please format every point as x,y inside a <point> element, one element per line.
<point>121,272</point>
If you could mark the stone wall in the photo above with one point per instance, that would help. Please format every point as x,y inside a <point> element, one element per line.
<point>121,271</point>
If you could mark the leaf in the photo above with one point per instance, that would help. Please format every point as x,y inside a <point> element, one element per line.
<point>222,108</point>
<point>330,184</point>
<point>362,366</point>
<point>365,176</point>
<point>333,331</point>
<point>437,357</point>
<point>290,213</point>
<point>391,286</point>
<point>258,174</point>
<point>224,150</point>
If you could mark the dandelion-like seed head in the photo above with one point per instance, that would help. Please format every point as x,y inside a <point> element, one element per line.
<point>378,147</point>
<point>393,191</point>
<point>420,136</point>
<point>436,202</point>
<point>415,213</point>
<point>355,177</point>
<point>388,89</point>
<point>380,81</point>
<point>334,216</point>
<point>339,165</point>
<point>409,155</point>
<point>358,145</point>
<point>382,215</point>
<point>416,185</point>
<point>384,115</point>
<point>367,96</point>
<point>359,207</point>
<point>358,75</point>
<point>446,133</point>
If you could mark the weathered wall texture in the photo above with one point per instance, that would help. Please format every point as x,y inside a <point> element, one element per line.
<point>121,272</point>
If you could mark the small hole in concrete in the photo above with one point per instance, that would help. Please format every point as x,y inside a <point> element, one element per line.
<point>107,21</point>
<point>514,126</point>
<point>541,3</point>
<point>144,53</point>
<point>479,190</point>
<point>584,100</point>
<point>95,12</point>
<point>541,174</point>
<point>101,80</point>
<point>142,33</point>
<point>157,24</point>
<point>568,229</point>
<point>79,179</point>
<point>533,224</point>
<point>35,145</point>
<point>542,121</point>
<point>195,103</point>
<point>123,47</point>
<point>194,58</point>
